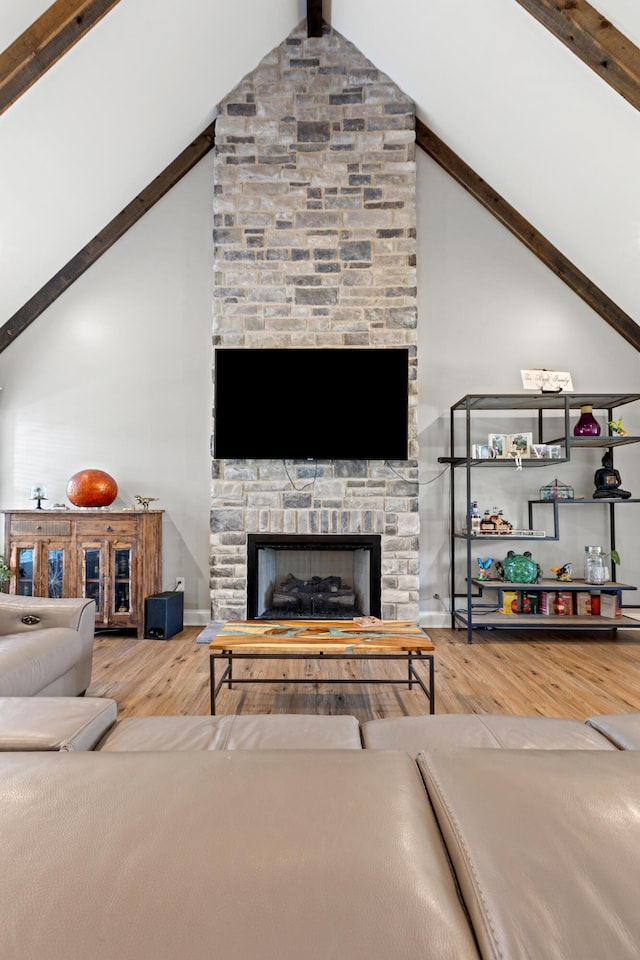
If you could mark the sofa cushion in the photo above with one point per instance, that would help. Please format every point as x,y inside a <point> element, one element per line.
<point>54,723</point>
<point>446,731</point>
<point>29,662</point>
<point>545,845</point>
<point>271,731</point>
<point>623,730</point>
<point>236,855</point>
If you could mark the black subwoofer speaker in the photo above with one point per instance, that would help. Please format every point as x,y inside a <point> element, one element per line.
<point>163,615</point>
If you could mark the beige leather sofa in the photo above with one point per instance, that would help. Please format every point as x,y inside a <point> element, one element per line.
<point>223,837</point>
<point>46,646</point>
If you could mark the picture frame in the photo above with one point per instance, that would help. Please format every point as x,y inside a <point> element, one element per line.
<point>540,451</point>
<point>497,443</point>
<point>480,451</point>
<point>519,444</point>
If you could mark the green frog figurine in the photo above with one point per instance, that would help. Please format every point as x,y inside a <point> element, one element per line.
<point>519,568</point>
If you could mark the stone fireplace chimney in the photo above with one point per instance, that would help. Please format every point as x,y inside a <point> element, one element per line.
<point>314,246</point>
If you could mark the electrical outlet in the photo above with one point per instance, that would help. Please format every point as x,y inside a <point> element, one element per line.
<point>180,584</point>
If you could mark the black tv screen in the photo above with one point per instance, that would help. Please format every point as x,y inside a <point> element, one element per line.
<point>311,404</point>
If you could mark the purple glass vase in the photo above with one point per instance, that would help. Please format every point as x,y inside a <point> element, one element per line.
<point>587,425</point>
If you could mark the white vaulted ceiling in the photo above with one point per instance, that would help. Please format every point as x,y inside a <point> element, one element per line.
<point>559,144</point>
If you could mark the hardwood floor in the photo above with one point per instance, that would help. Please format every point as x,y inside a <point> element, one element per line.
<point>500,672</point>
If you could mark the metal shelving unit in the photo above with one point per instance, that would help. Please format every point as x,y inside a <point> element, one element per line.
<point>549,409</point>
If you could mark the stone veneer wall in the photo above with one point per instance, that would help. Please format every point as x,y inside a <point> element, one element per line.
<point>314,236</point>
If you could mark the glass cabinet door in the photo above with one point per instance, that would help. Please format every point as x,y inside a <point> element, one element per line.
<point>25,571</point>
<point>56,569</point>
<point>107,576</point>
<point>41,569</point>
<point>92,580</point>
<point>122,570</point>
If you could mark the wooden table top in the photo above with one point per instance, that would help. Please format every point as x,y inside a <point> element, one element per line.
<point>315,636</point>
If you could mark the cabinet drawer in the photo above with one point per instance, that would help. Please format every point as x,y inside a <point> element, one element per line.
<point>108,528</point>
<point>42,528</point>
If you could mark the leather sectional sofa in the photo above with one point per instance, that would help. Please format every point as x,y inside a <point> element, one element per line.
<point>314,838</point>
<point>46,646</point>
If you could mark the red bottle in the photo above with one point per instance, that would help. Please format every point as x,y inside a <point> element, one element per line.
<point>587,425</point>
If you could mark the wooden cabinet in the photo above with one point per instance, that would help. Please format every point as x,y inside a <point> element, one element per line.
<point>113,557</point>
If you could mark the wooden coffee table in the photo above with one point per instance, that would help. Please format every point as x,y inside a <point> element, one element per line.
<point>321,640</point>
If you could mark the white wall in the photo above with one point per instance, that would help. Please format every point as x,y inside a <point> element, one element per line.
<point>17,16</point>
<point>116,374</point>
<point>534,121</point>
<point>488,308</point>
<point>114,111</point>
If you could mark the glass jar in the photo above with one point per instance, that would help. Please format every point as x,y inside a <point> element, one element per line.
<point>595,570</point>
<point>587,425</point>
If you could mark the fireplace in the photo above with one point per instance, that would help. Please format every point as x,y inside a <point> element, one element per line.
<point>315,248</point>
<point>313,577</point>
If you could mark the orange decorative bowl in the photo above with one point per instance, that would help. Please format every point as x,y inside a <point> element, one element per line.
<point>92,488</point>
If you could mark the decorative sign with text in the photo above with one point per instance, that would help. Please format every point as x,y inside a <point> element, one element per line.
<point>546,381</point>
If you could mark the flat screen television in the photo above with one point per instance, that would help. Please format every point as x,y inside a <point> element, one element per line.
<point>311,404</point>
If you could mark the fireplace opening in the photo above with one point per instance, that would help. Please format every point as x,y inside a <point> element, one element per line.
<point>313,577</point>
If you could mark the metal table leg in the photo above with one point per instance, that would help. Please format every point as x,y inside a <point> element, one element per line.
<point>411,657</point>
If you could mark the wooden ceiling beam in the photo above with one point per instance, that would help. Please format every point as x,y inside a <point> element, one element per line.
<point>314,18</point>
<point>595,40</point>
<point>115,229</point>
<point>45,41</point>
<point>621,322</point>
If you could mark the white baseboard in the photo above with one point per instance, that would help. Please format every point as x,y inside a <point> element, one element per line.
<point>434,619</point>
<point>196,618</point>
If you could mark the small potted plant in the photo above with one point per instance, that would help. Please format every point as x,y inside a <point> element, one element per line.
<point>5,575</point>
